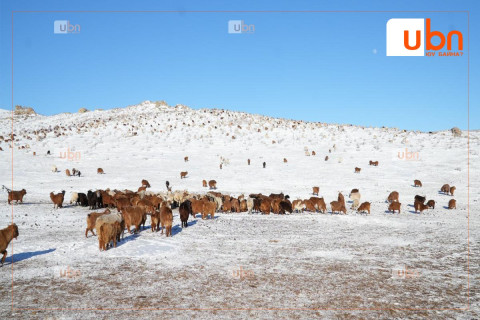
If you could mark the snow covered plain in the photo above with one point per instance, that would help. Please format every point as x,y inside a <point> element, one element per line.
<point>303,265</point>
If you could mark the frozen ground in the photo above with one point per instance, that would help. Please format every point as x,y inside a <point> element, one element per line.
<point>296,266</point>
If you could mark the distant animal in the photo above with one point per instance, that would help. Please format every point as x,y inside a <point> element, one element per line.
<point>142,189</point>
<point>357,169</point>
<point>183,174</point>
<point>212,184</point>
<point>74,198</point>
<point>316,190</point>
<point>365,206</point>
<point>48,152</point>
<point>6,235</point>
<point>373,163</point>
<point>445,188</point>
<point>264,165</point>
<point>16,196</point>
<point>452,190</point>
<point>417,183</point>
<point>54,168</point>
<point>395,205</point>
<point>185,211</point>
<point>100,171</point>
<point>313,153</point>
<point>185,159</point>
<point>248,161</point>
<point>393,196</point>
<point>204,183</point>
<point>221,166</point>
<point>452,204</point>
<point>326,158</point>
<point>166,220</point>
<point>167,183</point>
<point>67,172</point>
<point>355,196</point>
<point>145,183</point>
<point>92,199</point>
<point>420,199</point>
<point>431,204</point>
<point>285,160</point>
<point>57,199</point>
<point>420,206</point>
<point>338,206</point>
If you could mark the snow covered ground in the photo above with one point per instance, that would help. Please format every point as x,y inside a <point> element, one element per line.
<point>240,265</point>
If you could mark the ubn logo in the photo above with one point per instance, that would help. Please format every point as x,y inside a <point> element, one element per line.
<point>69,273</point>
<point>64,26</point>
<point>237,26</point>
<point>410,37</point>
<point>405,273</point>
<point>70,155</point>
<point>243,274</point>
<point>408,155</point>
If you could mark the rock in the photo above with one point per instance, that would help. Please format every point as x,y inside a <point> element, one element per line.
<point>19,110</point>
<point>82,110</point>
<point>456,132</point>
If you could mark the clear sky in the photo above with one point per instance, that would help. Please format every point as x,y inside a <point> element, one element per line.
<point>328,67</point>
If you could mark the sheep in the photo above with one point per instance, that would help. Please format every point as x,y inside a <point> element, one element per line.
<point>316,190</point>
<point>92,219</point>
<point>185,159</point>
<point>445,188</point>
<point>420,206</point>
<point>133,216</point>
<point>6,235</point>
<point>212,184</point>
<point>452,204</point>
<point>452,190</point>
<point>395,205</point>
<point>417,183</point>
<point>111,218</point>
<point>357,169</point>
<point>420,199</point>
<point>431,204</point>
<point>183,174</point>
<point>108,233</point>
<point>208,209</point>
<point>166,219</point>
<point>54,168</point>
<point>185,210</point>
<point>393,196</point>
<point>16,196</point>
<point>250,205</point>
<point>57,199</point>
<point>364,207</point>
<point>338,206</point>
<point>145,183</point>
<point>67,172</point>
<point>74,198</point>
<point>100,171</point>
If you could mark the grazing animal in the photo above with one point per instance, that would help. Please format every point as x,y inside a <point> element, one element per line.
<point>220,166</point>
<point>452,204</point>
<point>54,168</point>
<point>395,205</point>
<point>183,174</point>
<point>316,190</point>
<point>431,204</point>
<point>67,172</point>
<point>145,183</point>
<point>355,196</point>
<point>108,233</point>
<point>92,219</point>
<point>338,206</point>
<point>100,171</point>
<point>264,165</point>
<point>6,235</point>
<point>452,190</point>
<point>393,196</point>
<point>373,163</point>
<point>265,206</point>
<point>16,196</point>
<point>212,184</point>
<point>364,207</point>
<point>74,198</point>
<point>92,199</point>
<point>111,218</point>
<point>82,199</point>
<point>357,169</point>
<point>134,216</point>
<point>166,220</point>
<point>209,209</point>
<point>420,206</point>
<point>204,183</point>
<point>57,199</point>
<point>313,153</point>
<point>185,210</point>
<point>445,188</point>
<point>417,183</point>
<point>326,158</point>
<point>248,161</point>
<point>285,160</point>
<point>185,159</point>
<point>285,206</point>
<point>420,199</point>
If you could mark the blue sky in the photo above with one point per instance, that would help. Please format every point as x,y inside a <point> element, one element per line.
<point>328,67</point>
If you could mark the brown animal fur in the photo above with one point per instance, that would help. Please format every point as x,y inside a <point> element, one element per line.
<point>266,205</point>
<point>452,190</point>
<point>6,235</point>
<point>395,205</point>
<point>183,174</point>
<point>431,204</point>
<point>364,207</point>
<point>134,216</point>
<point>16,196</point>
<point>208,209</point>
<point>145,183</point>
<point>204,183</point>
<point>166,220</point>
<point>185,159</point>
<point>357,169</point>
<point>107,233</point>
<point>91,219</point>
<point>393,196</point>
<point>212,184</point>
<point>417,183</point>
<point>67,172</point>
<point>100,171</point>
<point>316,190</point>
<point>57,199</point>
<point>445,188</point>
<point>452,204</point>
<point>420,206</point>
<point>338,206</point>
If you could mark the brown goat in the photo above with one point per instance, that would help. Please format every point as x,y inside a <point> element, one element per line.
<point>209,209</point>
<point>100,171</point>
<point>452,190</point>
<point>393,196</point>
<point>16,195</point>
<point>183,174</point>
<point>155,221</point>
<point>204,183</point>
<point>108,232</point>
<point>417,183</point>
<point>357,169</point>
<point>145,183</point>
<point>452,204</point>
<point>313,153</point>
<point>285,160</point>
<point>338,206</point>
<point>67,172</point>
<point>248,161</point>
<point>319,204</point>
<point>91,219</point>
<point>431,204</point>
<point>142,188</point>
<point>316,190</point>
<point>395,205</point>
<point>185,159</point>
<point>134,216</point>
<point>326,158</point>
<point>364,207</point>
<point>420,206</point>
<point>166,220</point>
<point>266,206</point>
<point>57,199</point>
<point>6,235</point>
<point>212,184</point>
<point>445,188</point>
